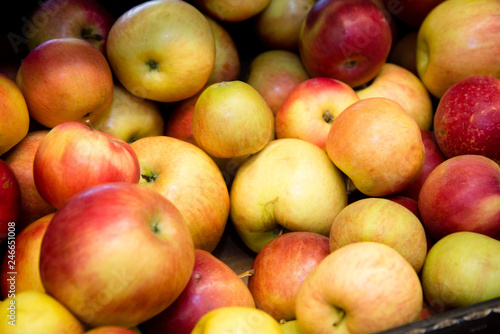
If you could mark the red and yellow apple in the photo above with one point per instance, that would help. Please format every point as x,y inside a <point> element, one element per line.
<point>231,10</point>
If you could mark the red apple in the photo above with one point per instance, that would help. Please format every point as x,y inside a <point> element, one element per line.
<point>179,122</point>
<point>467,117</point>
<point>409,11</point>
<point>73,157</point>
<point>116,254</point>
<point>10,203</point>
<point>213,284</point>
<point>281,266</point>
<point>462,194</point>
<point>333,44</point>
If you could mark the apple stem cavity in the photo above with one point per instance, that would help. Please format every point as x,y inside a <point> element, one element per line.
<point>327,116</point>
<point>150,177</point>
<point>341,315</point>
<point>153,65</point>
<point>350,63</point>
<point>155,227</point>
<point>87,34</point>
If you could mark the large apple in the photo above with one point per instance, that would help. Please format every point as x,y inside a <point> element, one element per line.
<point>332,44</point>
<point>248,122</point>
<point>384,221</point>
<point>378,145</point>
<point>467,117</point>
<point>213,284</point>
<point>14,115</point>
<point>10,203</point>
<point>364,287</point>
<point>279,269</point>
<point>189,178</point>
<point>86,19</point>
<point>458,39</point>
<point>121,272</point>
<point>409,11</point>
<point>462,194</point>
<point>289,185</point>
<point>231,10</point>
<point>73,157</point>
<point>274,73</point>
<point>173,62</point>
<point>311,107</point>
<point>461,269</point>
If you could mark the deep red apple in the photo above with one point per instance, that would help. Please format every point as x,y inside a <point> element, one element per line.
<point>10,201</point>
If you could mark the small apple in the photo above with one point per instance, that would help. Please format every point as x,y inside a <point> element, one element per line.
<point>311,107</point>
<point>10,203</point>
<point>231,10</point>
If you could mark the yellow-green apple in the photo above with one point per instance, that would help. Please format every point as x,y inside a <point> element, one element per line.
<point>462,194</point>
<point>14,115</point>
<point>404,52</point>
<point>467,117</point>
<point>65,79</point>
<point>111,330</point>
<point>130,117</point>
<point>248,120</point>
<point>20,267</point>
<point>384,221</point>
<point>179,120</point>
<point>378,145</point>
<point>274,73</point>
<point>311,107</point>
<point>332,44</point>
<point>173,62</point>
<point>231,10</point>
<point>290,185</point>
<point>72,157</point>
<point>20,158</point>
<point>461,269</point>
<point>291,327</point>
<point>457,39</point>
<point>364,287</point>
<point>86,19</point>
<point>279,269</point>
<point>213,284</point>
<point>10,203</point>
<point>399,84</point>
<point>237,319</point>
<point>409,11</point>
<point>96,269</point>
<point>36,312</point>
<point>190,179</point>
<point>278,25</point>
<point>227,59</point>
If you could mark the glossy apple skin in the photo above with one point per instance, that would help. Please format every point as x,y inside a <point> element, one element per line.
<point>409,11</point>
<point>213,284</point>
<point>73,157</point>
<point>10,201</point>
<point>333,44</point>
<point>85,19</point>
<point>462,194</point>
<point>467,117</point>
<point>279,269</point>
<point>91,267</point>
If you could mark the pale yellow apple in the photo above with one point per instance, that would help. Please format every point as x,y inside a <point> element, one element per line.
<point>162,50</point>
<point>291,327</point>
<point>457,39</point>
<point>401,85</point>
<point>289,185</point>
<point>231,10</point>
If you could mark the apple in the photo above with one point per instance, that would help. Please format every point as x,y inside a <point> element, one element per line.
<point>462,194</point>
<point>290,185</point>
<point>129,117</point>
<point>462,268</point>
<point>458,39</point>
<point>64,80</point>
<point>408,202</point>
<point>20,158</point>
<point>237,319</point>
<point>173,62</point>
<point>311,107</point>
<point>384,221</point>
<point>231,10</point>
<point>278,25</point>
<point>24,259</point>
<point>467,117</point>
<point>10,203</point>
<point>190,179</point>
<point>404,52</point>
<point>363,287</point>
<point>291,327</point>
<point>14,115</point>
<point>111,330</point>
<point>411,12</point>
<point>73,157</point>
<point>248,120</point>
<point>213,284</point>
<point>105,274</point>
<point>274,73</point>
<point>86,19</point>
<point>332,44</point>
<point>399,84</point>
<point>279,269</point>
<point>378,145</point>
<point>179,120</point>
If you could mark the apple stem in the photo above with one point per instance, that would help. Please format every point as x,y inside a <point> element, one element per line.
<point>89,124</point>
<point>247,273</point>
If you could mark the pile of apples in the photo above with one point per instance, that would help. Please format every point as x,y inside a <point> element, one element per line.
<point>352,146</point>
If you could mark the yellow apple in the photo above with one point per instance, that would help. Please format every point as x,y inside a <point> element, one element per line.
<point>291,327</point>
<point>231,10</point>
